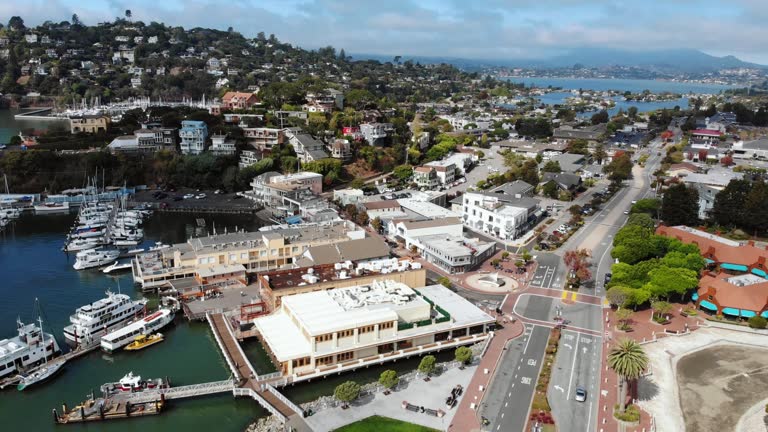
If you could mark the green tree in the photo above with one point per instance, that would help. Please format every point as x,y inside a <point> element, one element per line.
<point>617,296</point>
<point>552,167</point>
<point>757,207</point>
<point>444,281</point>
<point>389,379</point>
<point>600,117</point>
<point>641,219</point>
<point>680,205</point>
<point>667,281</point>
<point>550,189</point>
<point>620,168</point>
<point>427,364</point>
<point>403,172</point>
<point>347,392</point>
<point>623,316</point>
<point>463,355</point>
<point>660,308</point>
<point>526,255</point>
<point>376,224</point>
<point>599,154</point>
<point>646,205</point>
<point>628,360</point>
<point>729,208</point>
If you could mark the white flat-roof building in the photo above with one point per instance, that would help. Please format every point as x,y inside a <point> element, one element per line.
<point>328,331</point>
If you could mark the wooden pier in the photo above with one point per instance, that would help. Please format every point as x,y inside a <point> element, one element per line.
<point>107,409</point>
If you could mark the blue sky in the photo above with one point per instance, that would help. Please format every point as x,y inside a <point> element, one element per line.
<point>485,29</point>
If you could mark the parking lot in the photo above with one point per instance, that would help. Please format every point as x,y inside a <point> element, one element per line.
<point>492,163</point>
<point>194,198</point>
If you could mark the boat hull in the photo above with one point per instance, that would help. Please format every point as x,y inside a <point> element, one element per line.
<point>45,373</point>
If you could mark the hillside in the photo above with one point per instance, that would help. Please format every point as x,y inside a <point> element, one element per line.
<point>121,59</point>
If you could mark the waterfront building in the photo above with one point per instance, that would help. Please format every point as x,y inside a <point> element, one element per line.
<point>193,135</point>
<point>328,331</point>
<point>89,124</point>
<point>269,248</point>
<point>276,284</point>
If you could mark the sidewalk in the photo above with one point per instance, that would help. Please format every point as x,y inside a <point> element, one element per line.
<point>644,331</point>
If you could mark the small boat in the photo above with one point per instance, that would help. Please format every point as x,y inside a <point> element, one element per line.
<point>79,244</point>
<point>94,258</point>
<point>117,266</point>
<point>133,383</point>
<point>52,208</point>
<point>143,341</point>
<point>40,375</point>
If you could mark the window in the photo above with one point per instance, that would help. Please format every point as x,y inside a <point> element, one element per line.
<point>273,252</point>
<point>346,333</point>
<point>386,325</point>
<point>301,362</point>
<point>324,338</point>
<point>366,329</point>
<point>345,356</point>
<point>323,360</point>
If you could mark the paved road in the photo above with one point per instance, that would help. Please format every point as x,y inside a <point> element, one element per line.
<point>509,397</point>
<point>580,316</point>
<point>577,365</point>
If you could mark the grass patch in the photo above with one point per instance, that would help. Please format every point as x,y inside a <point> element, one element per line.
<point>631,415</point>
<point>379,423</point>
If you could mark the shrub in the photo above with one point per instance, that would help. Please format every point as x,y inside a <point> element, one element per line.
<point>444,281</point>
<point>757,322</point>
<point>347,391</point>
<point>631,414</point>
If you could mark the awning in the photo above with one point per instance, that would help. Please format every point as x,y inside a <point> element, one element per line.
<point>734,267</point>
<point>709,261</point>
<point>747,313</point>
<point>760,273</point>
<point>695,296</point>
<point>293,220</point>
<point>730,311</point>
<point>764,314</point>
<point>707,305</point>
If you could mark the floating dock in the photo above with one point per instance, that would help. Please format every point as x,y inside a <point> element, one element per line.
<point>107,409</point>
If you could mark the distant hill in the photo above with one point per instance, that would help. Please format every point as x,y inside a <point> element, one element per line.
<point>673,60</point>
<point>666,61</point>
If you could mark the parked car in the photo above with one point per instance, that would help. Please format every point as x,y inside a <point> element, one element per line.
<point>607,278</point>
<point>189,196</point>
<point>201,196</point>
<point>218,192</point>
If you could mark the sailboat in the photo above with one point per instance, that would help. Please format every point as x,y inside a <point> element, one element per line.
<point>48,369</point>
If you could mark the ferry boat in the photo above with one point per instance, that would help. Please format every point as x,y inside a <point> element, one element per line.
<point>92,321</point>
<point>94,258</point>
<point>117,266</point>
<point>26,350</point>
<point>50,208</point>
<point>144,341</point>
<point>133,383</point>
<point>152,323</point>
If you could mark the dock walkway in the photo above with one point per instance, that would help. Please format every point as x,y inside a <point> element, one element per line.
<point>248,383</point>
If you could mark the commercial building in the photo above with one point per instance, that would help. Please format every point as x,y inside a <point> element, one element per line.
<point>359,250</point>
<point>90,124</point>
<point>738,283</point>
<point>193,135</point>
<point>454,254</point>
<point>270,248</point>
<point>755,149</point>
<point>276,284</point>
<point>328,331</point>
<point>504,216</point>
<point>708,185</point>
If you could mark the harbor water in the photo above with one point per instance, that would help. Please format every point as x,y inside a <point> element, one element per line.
<point>630,85</point>
<point>32,265</point>
<point>9,126</point>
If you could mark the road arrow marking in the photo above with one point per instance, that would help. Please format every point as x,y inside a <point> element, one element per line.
<point>557,387</point>
<point>569,347</point>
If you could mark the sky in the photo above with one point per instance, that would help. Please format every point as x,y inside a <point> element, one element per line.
<point>473,29</point>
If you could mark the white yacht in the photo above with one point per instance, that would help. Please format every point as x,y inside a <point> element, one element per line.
<point>145,326</point>
<point>117,266</point>
<point>30,348</point>
<point>92,321</point>
<point>9,213</point>
<point>88,232</point>
<point>79,244</point>
<point>49,208</point>
<point>94,258</point>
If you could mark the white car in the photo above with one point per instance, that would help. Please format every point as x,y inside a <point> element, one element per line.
<point>189,196</point>
<point>580,395</point>
<point>201,196</point>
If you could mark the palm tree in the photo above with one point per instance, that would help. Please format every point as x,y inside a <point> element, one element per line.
<point>628,360</point>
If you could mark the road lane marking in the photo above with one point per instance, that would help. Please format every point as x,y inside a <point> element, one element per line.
<point>573,366</point>
<point>526,345</point>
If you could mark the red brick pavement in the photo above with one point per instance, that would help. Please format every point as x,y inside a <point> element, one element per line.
<point>643,330</point>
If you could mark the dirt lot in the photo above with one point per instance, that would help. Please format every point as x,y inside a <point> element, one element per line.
<point>717,385</point>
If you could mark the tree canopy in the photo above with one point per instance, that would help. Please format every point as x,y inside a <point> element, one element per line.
<point>680,205</point>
